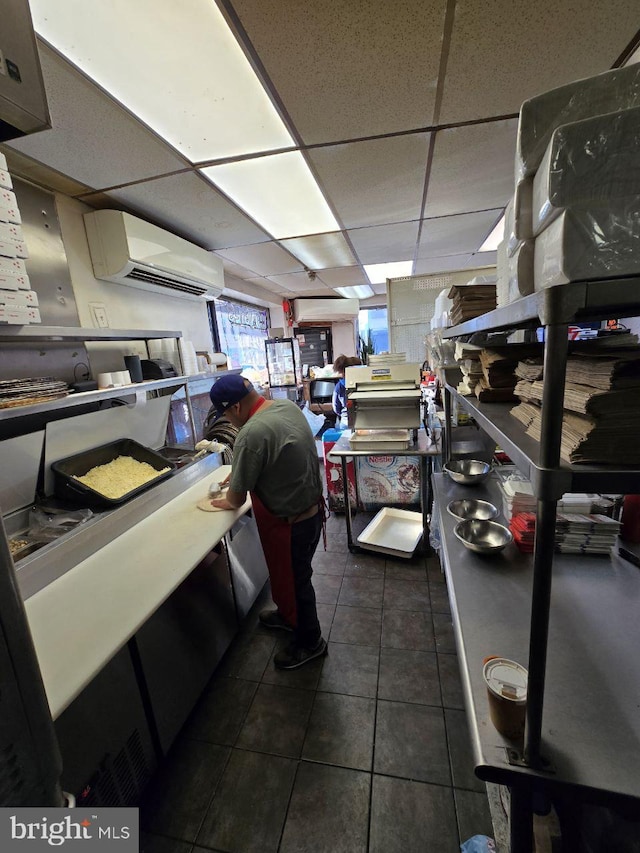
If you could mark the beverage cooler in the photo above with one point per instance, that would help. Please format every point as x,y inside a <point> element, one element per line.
<point>284,368</point>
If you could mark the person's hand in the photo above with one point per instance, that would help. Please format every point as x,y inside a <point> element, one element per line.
<point>225,482</point>
<point>222,503</point>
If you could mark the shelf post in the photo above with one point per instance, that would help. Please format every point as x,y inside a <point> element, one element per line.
<point>555,364</point>
<point>447,402</point>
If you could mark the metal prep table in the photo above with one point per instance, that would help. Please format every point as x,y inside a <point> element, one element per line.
<point>424,448</point>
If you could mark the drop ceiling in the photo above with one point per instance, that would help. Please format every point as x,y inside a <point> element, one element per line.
<point>405,111</point>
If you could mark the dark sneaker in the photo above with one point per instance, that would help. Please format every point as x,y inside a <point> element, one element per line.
<point>273,619</point>
<point>294,656</point>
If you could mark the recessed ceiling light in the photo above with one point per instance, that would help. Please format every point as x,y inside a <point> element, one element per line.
<point>379,273</point>
<point>184,75</point>
<point>277,191</point>
<point>358,291</point>
<point>495,238</point>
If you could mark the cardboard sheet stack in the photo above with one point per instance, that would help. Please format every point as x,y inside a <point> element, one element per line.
<point>499,378</point>
<point>575,533</point>
<point>468,358</point>
<point>575,213</point>
<point>18,303</point>
<point>601,407</point>
<point>471,300</point>
<point>585,534</point>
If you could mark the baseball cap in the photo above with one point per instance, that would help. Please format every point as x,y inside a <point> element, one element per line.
<point>229,390</point>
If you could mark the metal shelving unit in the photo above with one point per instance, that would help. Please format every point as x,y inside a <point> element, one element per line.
<point>554,309</point>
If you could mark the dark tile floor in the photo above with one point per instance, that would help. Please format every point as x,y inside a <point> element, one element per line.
<point>366,750</point>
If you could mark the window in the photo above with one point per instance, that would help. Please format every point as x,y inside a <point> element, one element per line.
<point>373,321</point>
<point>242,331</point>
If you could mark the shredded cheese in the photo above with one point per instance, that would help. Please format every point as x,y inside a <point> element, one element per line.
<point>120,476</point>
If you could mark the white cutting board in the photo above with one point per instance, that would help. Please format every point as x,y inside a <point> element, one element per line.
<point>145,423</point>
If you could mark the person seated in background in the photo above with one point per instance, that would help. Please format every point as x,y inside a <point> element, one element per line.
<point>339,402</point>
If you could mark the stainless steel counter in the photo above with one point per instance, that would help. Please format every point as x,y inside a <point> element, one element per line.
<point>45,565</point>
<point>591,725</point>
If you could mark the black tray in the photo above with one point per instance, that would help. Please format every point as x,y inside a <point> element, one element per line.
<point>64,471</point>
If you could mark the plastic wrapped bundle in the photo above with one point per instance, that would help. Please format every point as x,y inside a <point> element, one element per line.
<point>502,284</point>
<point>582,245</point>
<point>520,271</point>
<point>518,225</point>
<point>540,116</point>
<point>588,163</point>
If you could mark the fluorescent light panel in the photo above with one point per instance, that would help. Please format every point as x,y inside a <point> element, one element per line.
<point>379,273</point>
<point>183,73</point>
<point>278,192</point>
<point>358,291</point>
<point>495,238</point>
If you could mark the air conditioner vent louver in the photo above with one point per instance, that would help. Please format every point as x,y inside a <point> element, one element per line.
<point>156,278</point>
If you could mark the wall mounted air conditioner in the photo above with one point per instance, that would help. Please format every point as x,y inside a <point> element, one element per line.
<point>325,310</point>
<point>130,251</point>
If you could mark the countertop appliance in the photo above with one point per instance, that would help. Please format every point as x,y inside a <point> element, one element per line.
<point>383,398</point>
<point>157,368</point>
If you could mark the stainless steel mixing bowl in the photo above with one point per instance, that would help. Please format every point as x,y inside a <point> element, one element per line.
<point>468,472</point>
<point>472,508</point>
<point>484,537</point>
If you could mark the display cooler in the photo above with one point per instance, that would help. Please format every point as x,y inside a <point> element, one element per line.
<point>284,367</point>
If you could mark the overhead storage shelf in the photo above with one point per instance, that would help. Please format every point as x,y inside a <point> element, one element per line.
<point>69,333</point>
<point>524,451</point>
<point>579,302</point>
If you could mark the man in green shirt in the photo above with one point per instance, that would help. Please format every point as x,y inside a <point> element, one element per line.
<point>275,459</point>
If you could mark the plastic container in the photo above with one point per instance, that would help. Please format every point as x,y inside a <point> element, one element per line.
<point>506,683</point>
<point>64,471</point>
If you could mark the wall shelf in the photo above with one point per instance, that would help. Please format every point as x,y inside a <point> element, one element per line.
<point>577,302</point>
<point>33,334</point>
<point>524,451</point>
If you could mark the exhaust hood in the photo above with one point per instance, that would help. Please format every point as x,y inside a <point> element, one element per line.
<point>23,102</point>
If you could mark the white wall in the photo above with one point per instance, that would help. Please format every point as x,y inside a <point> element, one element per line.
<point>126,307</point>
<point>344,338</point>
<point>132,308</point>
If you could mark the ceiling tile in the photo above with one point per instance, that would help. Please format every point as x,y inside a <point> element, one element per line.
<point>385,243</point>
<point>506,51</point>
<point>267,284</point>
<point>262,259</point>
<point>321,250</point>
<point>341,69</point>
<point>450,235</point>
<point>92,140</point>
<point>374,182</point>
<point>21,166</point>
<point>236,270</point>
<point>483,259</point>
<point>436,265</point>
<point>472,168</point>
<point>205,216</point>
<point>300,283</point>
<point>343,277</point>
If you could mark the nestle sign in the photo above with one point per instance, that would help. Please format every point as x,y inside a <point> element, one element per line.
<point>102,829</point>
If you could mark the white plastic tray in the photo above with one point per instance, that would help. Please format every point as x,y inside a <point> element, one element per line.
<point>393,531</point>
<point>375,439</point>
